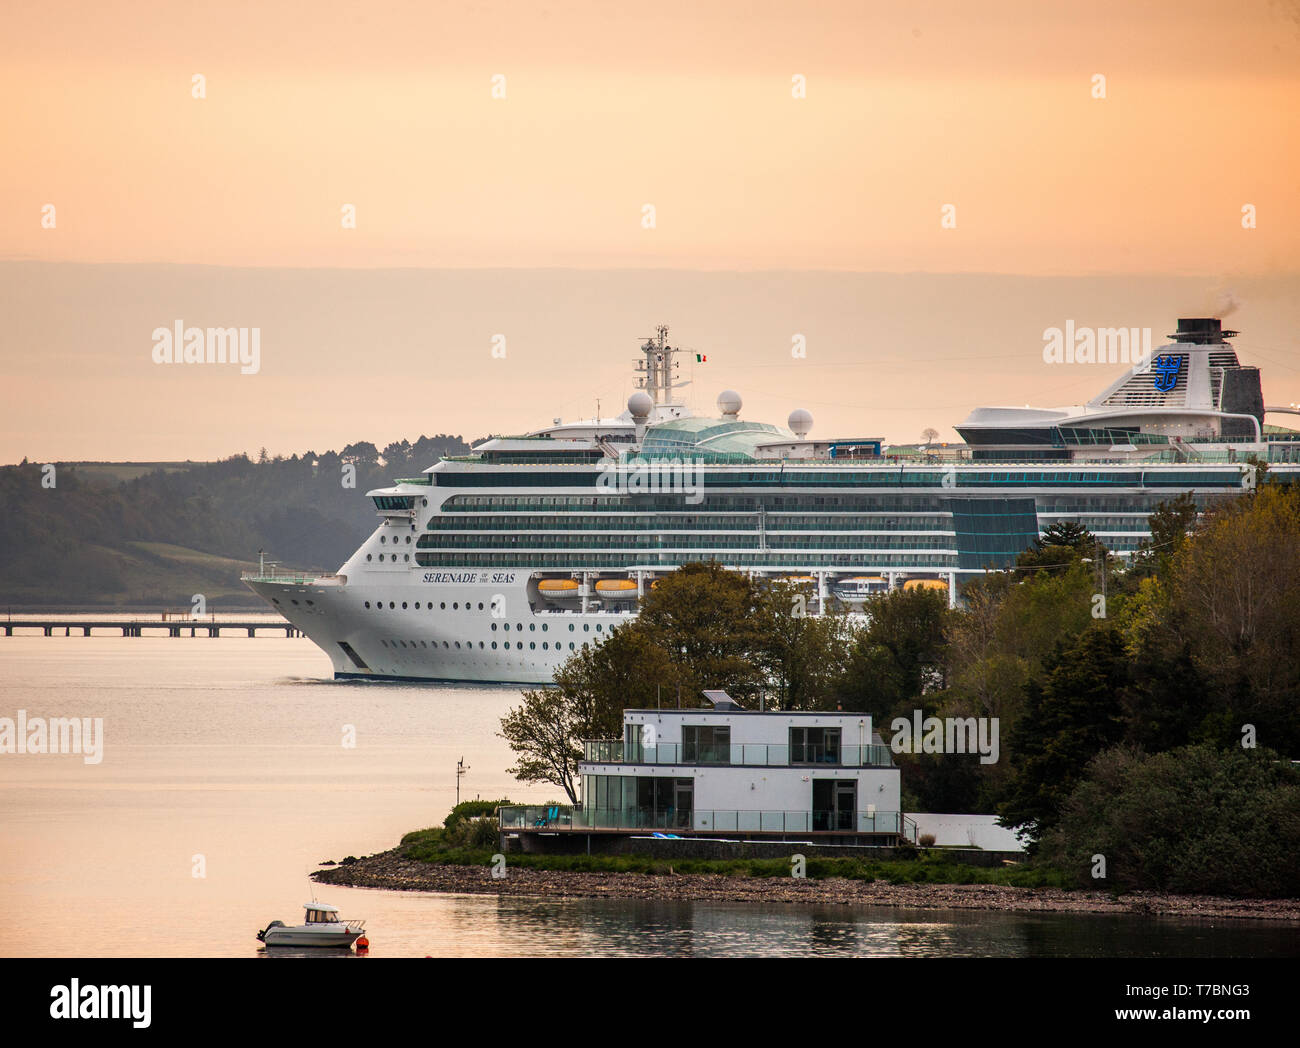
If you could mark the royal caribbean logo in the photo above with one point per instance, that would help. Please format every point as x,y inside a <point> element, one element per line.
<point>1167,368</point>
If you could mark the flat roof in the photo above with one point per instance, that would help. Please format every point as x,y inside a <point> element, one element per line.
<point>766,713</point>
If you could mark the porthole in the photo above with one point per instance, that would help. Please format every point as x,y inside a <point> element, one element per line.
<point>406,557</point>
<point>506,626</point>
<point>369,557</point>
<point>408,540</point>
<point>383,538</point>
<point>598,627</point>
<point>519,626</point>
<point>480,644</point>
<point>424,644</point>
<point>443,605</point>
<point>424,502</point>
<point>480,605</point>
<point>543,645</point>
<point>458,645</point>
<point>403,605</point>
<point>532,626</point>
<point>586,628</point>
<point>445,644</point>
<point>455,606</point>
<point>367,604</point>
<point>494,626</point>
<point>544,627</point>
<point>417,605</point>
<point>570,645</point>
<point>494,645</point>
<point>391,604</point>
<point>570,627</point>
<point>532,645</point>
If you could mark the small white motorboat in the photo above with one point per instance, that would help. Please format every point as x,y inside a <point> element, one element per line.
<point>322,928</point>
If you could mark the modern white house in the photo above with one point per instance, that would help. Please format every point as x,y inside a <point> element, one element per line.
<point>728,772</point>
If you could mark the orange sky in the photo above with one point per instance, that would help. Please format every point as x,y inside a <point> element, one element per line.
<point>225,206</point>
<point>686,106</point>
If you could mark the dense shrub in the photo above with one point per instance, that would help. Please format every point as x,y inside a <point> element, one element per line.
<point>1195,820</point>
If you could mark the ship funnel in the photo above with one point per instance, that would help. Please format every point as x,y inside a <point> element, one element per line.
<point>1201,331</point>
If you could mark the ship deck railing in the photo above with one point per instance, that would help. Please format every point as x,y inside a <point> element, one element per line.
<point>300,578</point>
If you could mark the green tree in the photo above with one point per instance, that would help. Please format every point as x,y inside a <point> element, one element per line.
<point>1235,605</point>
<point>1196,819</point>
<point>801,655</point>
<point>899,656</point>
<point>592,688</point>
<point>1070,715</point>
<point>708,621</point>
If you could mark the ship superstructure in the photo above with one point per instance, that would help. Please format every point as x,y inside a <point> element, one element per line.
<point>498,565</point>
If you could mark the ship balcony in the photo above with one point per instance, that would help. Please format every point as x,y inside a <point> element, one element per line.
<point>763,755</point>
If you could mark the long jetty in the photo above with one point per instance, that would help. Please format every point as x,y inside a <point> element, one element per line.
<point>136,627</point>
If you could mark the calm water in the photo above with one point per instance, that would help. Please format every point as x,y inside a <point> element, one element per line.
<point>231,749</point>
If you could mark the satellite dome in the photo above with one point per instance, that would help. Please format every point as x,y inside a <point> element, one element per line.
<point>800,422</point>
<point>729,403</point>
<point>639,404</point>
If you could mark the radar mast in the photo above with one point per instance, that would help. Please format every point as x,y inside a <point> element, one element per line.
<point>657,370</point>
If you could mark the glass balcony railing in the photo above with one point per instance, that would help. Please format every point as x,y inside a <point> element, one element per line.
<point>669,820</point>
<point>764,755</point>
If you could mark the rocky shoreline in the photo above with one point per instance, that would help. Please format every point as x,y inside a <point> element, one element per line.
<point>393,871</point>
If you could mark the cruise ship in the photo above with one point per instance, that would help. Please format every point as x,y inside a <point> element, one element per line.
<point>498,565</point>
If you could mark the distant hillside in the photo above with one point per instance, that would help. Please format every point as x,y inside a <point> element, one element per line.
<point>154,534</point>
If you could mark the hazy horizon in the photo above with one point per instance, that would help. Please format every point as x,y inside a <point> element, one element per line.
<point>919,190</point>
<point>383,355</point>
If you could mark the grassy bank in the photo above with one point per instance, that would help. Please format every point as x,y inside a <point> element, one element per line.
<point>436,847</point>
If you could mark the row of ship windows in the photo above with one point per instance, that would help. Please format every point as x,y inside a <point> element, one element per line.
<point>455,606</point>
<point>668,542</point>
<point>730,523</point>
<point>469,644</point>
<point>463,504</point>
<point>939,560</point>
<point>874,478</point>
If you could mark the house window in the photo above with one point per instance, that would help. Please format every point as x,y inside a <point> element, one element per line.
<point>706,744</point>
<point>814,745</point>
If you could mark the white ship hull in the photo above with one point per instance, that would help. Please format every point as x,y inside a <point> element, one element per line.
<point>430,643</point>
